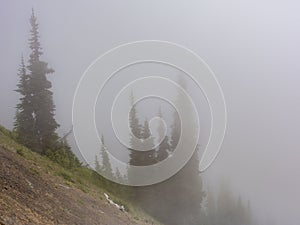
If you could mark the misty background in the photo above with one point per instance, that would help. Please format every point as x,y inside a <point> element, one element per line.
<point>252,47</point>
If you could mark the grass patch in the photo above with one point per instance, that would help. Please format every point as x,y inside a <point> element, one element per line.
<point>20,151</point>
<point>67,176</point>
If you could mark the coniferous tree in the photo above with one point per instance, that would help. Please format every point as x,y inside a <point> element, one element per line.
<point>186,185</point>
<point>142,132</point>
<point>118,175</point>
<point>35,125</point>
<point>97,165</point>
<point>44,124</point>
<point>62,153</point>
<point>140,195</point>
<point>146,134</point>
<point>148,142</point>
<point>164,148</point>
<point>145,131</point>
<point>136,157</point>
<point>177,200</point>
<point>106,166</point>
<point>24,115</point>
<point>228,209</point>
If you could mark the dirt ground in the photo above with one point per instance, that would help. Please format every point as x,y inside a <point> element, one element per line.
<point>30,196</point>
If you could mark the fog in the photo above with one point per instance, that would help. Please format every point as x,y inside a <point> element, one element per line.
<point>252,47</point>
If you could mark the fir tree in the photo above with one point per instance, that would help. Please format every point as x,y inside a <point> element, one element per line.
<point>228,210</point>
<point>148,140</point>
<point>184,196</point>
<point>177,200</point>
<point>44,124</point>
<point>106,166</point>
<point>24,115</point>
<point>35,125</point>
<point>118,175</point>
<point>136,157</point>
<point>164,148</point>
<point>148,157</point>
<point>97,165</point>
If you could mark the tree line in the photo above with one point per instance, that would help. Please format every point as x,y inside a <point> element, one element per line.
<point>176,201</point>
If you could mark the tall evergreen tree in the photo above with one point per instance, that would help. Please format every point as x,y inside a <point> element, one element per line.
<point>135,156</point>
<point>105,166</point>
<point>119,176</point>
<point>24,115</point>
<point>44,124</point>
<point>148,142</point>
<point>142,132</point>
<point>228,210</point>
<point>97,164</point>
<point>164,148</point>
<point>183,201</point>
<point>35,125</point>
<point>176,201</point>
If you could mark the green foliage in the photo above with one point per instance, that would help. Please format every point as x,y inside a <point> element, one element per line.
<point>66,175</point>
<point>177,200</point>
<point>63,155</point>
<point>20,151</point>
<point>105,166</point>
<point>164,147</point>
<point>97,165</point>
<point>34,122</point>
<point>24,121</point>
<point>80,177</point>
<point>35,126</point>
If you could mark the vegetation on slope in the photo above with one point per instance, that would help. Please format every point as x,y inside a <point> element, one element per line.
<point>79,178</point>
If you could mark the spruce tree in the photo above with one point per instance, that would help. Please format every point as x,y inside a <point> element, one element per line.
<point>148,157</point>
<point>183,201</point>
<point>97,165</point>
<point>41,97</point>
<point>105,166</point>
<point>24,115</point>
<point>163,150</point>
<point>135,156</point>
<point>118,175</point>
<point>146,134</point>
<point>34,124</point>
<point>177,200</point>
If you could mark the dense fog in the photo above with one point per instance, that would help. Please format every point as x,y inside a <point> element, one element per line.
<point>252,47</point>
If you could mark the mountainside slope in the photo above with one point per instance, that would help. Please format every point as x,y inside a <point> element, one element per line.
<point>31,194</point>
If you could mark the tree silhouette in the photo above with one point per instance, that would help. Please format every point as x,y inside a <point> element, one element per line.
<point>164,148</point>
<point>24,120</point>
<point>105,166</point>
<point>97,164</point>
<point>35,124</point>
